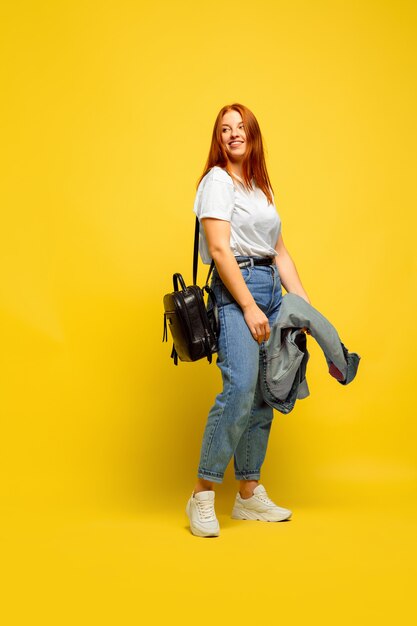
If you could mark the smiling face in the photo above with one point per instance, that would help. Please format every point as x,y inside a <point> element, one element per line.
<point>233,135</point>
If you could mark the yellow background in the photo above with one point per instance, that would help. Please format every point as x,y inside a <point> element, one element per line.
<point>107,110</point>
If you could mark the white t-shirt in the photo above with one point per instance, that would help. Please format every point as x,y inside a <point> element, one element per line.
<point>254,224</point>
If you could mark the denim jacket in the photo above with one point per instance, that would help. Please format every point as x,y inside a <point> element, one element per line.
<point>283,358</point>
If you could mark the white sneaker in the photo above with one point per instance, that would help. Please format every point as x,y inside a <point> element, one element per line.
<point>259,507</point>
<point>200,510</point>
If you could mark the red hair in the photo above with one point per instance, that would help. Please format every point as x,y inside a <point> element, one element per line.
<point>253,164</point>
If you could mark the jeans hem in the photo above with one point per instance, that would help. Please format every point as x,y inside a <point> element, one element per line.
<point>211,476</point>
<point>247,475</point>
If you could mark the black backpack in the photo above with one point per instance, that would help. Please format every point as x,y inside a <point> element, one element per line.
<point>194,327</point>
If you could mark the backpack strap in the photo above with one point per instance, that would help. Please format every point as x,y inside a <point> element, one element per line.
<point>195,257</point>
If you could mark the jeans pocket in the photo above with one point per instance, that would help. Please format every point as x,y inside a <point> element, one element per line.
<point>247,273</point>
<point>223,295</point>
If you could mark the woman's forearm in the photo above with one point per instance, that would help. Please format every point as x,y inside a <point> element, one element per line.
<point>289,275</point>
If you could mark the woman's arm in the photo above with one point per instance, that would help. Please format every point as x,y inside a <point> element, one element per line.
<point>217,233</point>
<point>288,272</point>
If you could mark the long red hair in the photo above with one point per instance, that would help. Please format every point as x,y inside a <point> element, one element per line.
<point>253,165</point>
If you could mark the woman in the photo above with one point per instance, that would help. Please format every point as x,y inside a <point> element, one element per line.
<point>241,232</point>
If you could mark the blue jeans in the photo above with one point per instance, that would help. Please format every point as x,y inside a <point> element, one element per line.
<point>240,421</point>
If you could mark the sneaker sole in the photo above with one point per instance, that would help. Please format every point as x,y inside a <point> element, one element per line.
<point>238,513</point>
<point>197,531</point>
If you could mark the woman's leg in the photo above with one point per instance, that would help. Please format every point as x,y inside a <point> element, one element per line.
<point>238,360</point>
<point>203,485</point>
<point>246,488</point>
<point>251,450</point>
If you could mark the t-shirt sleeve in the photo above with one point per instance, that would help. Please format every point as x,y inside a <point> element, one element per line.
<point>216,198</point>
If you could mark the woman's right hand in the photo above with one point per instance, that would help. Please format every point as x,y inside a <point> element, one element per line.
<point>257,322</point>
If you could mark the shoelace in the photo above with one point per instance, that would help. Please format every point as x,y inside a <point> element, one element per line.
<point>264,498</point>
<point>206,510</point>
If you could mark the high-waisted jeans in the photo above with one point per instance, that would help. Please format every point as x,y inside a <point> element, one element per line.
<point>239,422</point>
